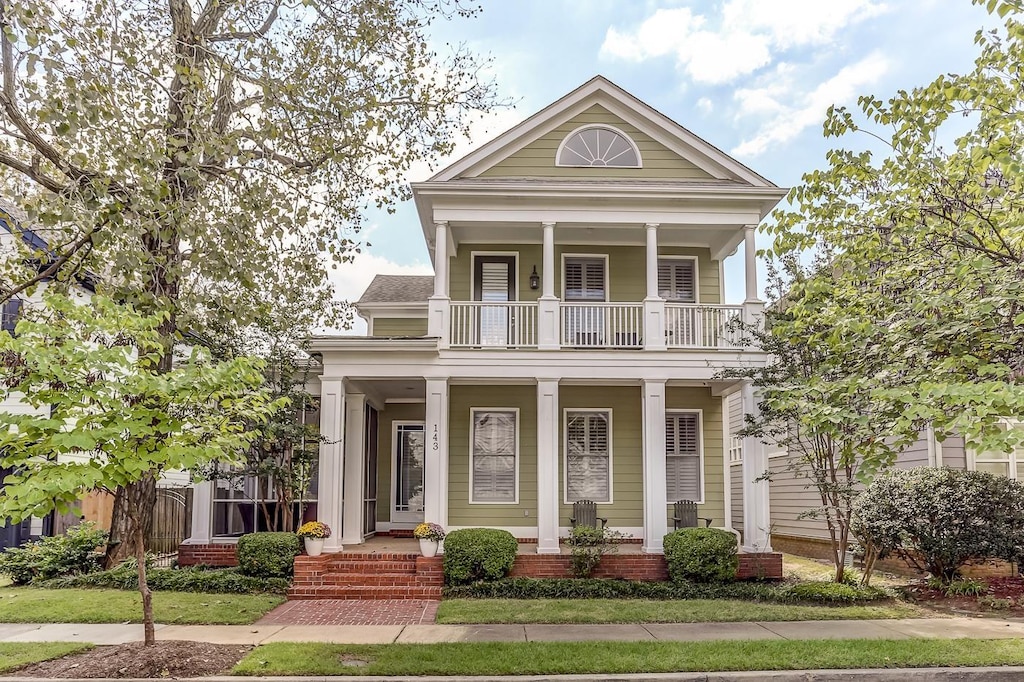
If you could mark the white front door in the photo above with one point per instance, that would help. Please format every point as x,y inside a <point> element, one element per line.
<point>407,478</point>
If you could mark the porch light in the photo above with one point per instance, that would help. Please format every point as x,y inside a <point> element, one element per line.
<point>534,279</point>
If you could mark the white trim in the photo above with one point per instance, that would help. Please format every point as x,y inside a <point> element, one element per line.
<point>504,254</point>
<point>1013,458</point>
<point>394,464</point>
<point>404,401</point>
<point>589,126</point>
<point>669,411</point>
<point>607,275</point>
<point>696,277</point>
<point>565,450</point>
<point>472,426</point>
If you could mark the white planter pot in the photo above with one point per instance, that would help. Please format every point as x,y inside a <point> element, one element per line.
<point>428,547</point>
<point>314,546</point>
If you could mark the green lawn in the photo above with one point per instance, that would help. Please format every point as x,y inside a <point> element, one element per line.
<point>31,605</point>
<point>17,654</point>
<point>556,658</point>
<point>645,611</point>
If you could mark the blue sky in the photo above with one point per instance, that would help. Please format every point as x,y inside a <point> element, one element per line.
<point>753,77</point>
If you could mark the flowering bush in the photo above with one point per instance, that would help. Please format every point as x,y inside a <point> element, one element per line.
<point>429,531</point>
<point>314,529</point>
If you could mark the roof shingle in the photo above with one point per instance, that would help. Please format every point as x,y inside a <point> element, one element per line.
<point>398,289</point>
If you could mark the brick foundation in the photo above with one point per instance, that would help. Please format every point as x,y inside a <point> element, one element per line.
<point>207,555</point>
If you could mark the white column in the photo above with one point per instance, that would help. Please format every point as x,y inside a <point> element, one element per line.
<point>547,304</point>
<point>756,512</point>
<point>438,309</point>
<point>355,469</point>
<point>654,305</point>
<point>750,263</point>
<point>202,514</point>
<point>547,466</point>
<point>332,460</point>
<point>655,485</point>
<point>435,465</point>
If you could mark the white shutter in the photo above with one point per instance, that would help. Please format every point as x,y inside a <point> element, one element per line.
<point>494,456</point>
<point>682,456</point>
<point>584,279</point>
<point>588,457</point>
<point>677,280</point>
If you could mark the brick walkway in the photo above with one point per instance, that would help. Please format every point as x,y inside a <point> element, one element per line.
<point>352,612</point>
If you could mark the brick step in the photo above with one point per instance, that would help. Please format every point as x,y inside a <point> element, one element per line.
<point>353,592</point>
<point>382,579</point>
<point>374,556</point>
<point>367,568</point>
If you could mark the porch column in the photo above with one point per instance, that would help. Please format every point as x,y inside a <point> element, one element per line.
<point>435,461</point>
<point>202,514</point>
<point>438,308</point>
<point>655,485</point>
<point>332,460</point>
<point>547,304</point>
<point>756,511</point>
<point>547,466</point>
<point>355,469</point>
<point>654,305</point>
<point>750,263</point>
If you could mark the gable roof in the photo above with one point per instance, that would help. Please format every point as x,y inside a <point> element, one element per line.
<point>398,289</point>
<point>600,90</point>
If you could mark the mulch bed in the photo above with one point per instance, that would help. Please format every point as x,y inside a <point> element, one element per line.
<point>163,659</point>
<point>1004,597</point>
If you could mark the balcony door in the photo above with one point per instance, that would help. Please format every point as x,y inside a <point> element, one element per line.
<point>494,281</point>
<point>585,283</point>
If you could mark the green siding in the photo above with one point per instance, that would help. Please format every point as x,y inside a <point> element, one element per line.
<point>461,400</point>
<point>714,483</point>
<point>627,269</point>
<point>627,504</point>
<point>390,414</point>
<point>537,159</point>
<point>399,326</point>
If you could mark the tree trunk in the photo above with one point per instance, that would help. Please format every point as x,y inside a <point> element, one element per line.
<point>136,503</point>
<point>128,525</point>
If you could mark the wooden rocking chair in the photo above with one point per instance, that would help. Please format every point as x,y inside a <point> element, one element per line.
<point>584,513</point>
<point>685,515</point>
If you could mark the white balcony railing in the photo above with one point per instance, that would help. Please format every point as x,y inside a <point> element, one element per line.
<point>602,325</point>
<point>484,324</point>
<point>702,326</point>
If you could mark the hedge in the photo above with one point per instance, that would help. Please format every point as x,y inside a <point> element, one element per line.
<point>268,555</point>
<point>193,579</point>
<point>478,554</point>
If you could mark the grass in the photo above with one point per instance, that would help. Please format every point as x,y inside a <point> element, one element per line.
<point>556,658</point>
<point>32,605</point>
<point>14,655</point>
<point>646,611</point>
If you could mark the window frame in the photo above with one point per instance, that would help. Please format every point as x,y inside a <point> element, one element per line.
<point>497,254</point>
<point>472,426</point>
<point>696,277</point>
<point>1013,458</point>
<point>604,126</point>
<point>565,451</point>
<point>700,449</point>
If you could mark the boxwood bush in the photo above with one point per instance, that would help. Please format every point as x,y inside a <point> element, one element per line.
<point>268,555</point>
<point>79,550</point>
<point>478,554</point>
<point>703,555</point>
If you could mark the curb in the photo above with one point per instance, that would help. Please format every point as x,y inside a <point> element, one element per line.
<point>988,674</point>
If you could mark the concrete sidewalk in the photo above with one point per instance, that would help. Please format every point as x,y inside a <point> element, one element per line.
<point>938,628</point>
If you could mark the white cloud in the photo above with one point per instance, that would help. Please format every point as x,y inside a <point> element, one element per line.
<point>705,105</point>
<point>796,113</point>
<point>745,37</point>
<point>351,279</point>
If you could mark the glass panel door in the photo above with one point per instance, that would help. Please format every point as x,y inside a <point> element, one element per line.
<point>494,282</point>
<point>408,478</point>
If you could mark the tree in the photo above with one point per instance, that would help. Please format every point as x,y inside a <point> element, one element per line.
<point>917,238</point>
<point>177,148</point>
<point>107,415</point>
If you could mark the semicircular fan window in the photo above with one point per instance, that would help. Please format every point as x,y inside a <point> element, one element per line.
<point>599,146</point>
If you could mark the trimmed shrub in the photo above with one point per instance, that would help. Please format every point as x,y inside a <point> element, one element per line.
<point>268,555</point>
<point>575,588</point>
<point>193,579</point>
<point>939,519</point>
<point>478,554</point>
<point>703,555</point>
<point>588,545</point>
<point>79,550</point>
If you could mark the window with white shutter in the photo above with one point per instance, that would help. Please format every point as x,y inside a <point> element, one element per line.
<point>682,456</point>
<point>677,280</point>
<point>584,279</point>
<point>588,456</point>
<point>494,456</point>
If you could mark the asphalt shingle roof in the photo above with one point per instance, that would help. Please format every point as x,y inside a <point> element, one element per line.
<point>398,289</point>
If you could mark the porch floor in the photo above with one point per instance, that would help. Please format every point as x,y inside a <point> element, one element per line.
<point>377,544</point>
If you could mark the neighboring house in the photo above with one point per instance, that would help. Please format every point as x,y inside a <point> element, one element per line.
<point>567,348</point>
